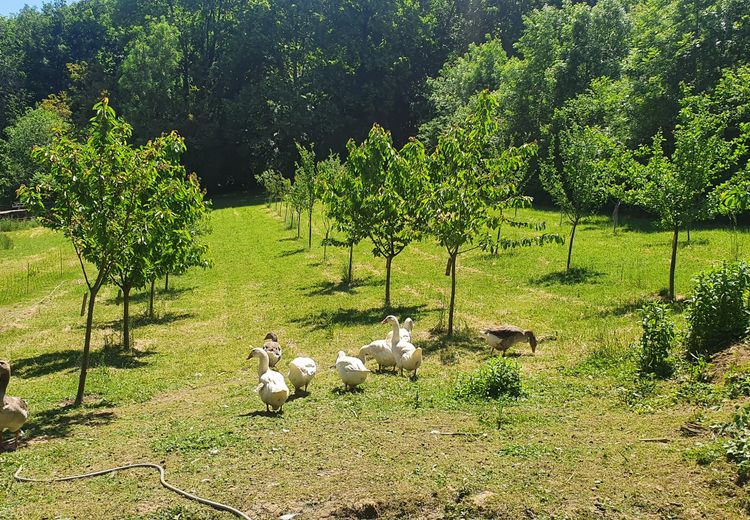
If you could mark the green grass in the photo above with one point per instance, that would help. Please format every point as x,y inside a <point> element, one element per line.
<point>569,448</point>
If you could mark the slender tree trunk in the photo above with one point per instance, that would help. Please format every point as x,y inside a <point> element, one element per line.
<point>151,301</point>
<point>126,316</point>
<point>299,223</point>
<point>673,263</point>
<point>325,244</point>
<point>570,245</point>
<point>86,347</point>
<point>453,293</point>
<point>351,257</point>
<point>388,262</point>
<point>497,242</point>
<point>286,212</point>
<point>309,229</point>
<point>166,282</point>
<point>616,217</point>
<point>688,235</point>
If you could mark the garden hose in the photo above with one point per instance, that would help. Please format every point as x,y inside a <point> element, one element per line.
<point>211,503</point>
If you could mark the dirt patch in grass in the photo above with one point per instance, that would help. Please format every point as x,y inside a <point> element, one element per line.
<point>735,356</point>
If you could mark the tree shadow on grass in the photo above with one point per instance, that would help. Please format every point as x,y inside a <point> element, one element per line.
<point>291,252</point>
<point>373,316</point>
<point>574,276</point>
<point>448,347</point>
<point>142,296</point>
<point>678,306</point>
<point>326,288</point>
<point>139,320</point>
<point>58,422</point>
<point>70,360</point>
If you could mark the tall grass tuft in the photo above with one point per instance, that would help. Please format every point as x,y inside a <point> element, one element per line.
<point>657,341</point>
<point>499,377</point>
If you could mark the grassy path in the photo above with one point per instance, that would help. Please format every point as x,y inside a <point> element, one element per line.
<point>570,449</point>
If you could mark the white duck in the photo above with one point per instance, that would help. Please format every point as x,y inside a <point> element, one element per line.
<point>379,349</point>
<point>271,387</point>
<point>13,411</point>
<point>301,372</point>
<point>407,356</point>
<point>405,331</point>
<point>351,370</point>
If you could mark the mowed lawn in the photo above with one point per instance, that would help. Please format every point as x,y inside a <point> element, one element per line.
<point>572,447</point>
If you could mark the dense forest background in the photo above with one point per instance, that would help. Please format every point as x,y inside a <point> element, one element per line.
<point>244,80</point>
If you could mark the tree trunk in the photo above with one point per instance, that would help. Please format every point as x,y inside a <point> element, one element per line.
<point>166,282</point>
<point>351,256</point>
<point>309,229</point>
<point>86,347</point>
<point>688,235</point>
<point>388,262</point>
<point>673,263</point>
<point>325,244</point>
<point>616,217</point>
<point>151,301</point>
<point>299,223</point>
<point>570,245</point>
<point>453,294</point>
<point>126,316</point>
<point>497,242</point>
<point>286,212</point>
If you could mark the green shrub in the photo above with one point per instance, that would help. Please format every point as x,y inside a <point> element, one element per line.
<point>5,241</point>
<point>737,448</point>
<point>718,313</point>
<point>656,342</point>
<point>737,383</point>
<point>498,377</point>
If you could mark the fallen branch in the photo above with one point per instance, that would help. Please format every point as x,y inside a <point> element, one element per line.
<point>657,439</point>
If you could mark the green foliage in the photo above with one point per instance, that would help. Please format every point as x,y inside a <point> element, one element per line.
<point>579,181</point>
<point>718,313</point>
<point>737,447</point>
<point>36,127</point>
<point>388,188</point>
<point>5,241</point>
<point>149,77</point>
<point>657,341</point>
<point>306,181</point>
<point>498,377</point>
<point>737,382</point>
<point>458,81</point>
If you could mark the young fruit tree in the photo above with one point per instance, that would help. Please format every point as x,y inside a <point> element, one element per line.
<point>166,222</point>
<point>341,194</point>
<point>577,174</point>
<point>392,184</point>
<point>328,169</point>
<point>468,177</point>
<point>88,191</point>
<point>675,186</point>
<point>305,177</point>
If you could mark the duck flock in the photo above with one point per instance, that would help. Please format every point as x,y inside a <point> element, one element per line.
<point>395,351</point>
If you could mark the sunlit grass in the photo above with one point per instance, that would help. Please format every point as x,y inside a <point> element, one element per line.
<point>185,395</point>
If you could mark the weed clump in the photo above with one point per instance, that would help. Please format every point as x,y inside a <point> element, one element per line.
<point>657,340</point>
<point>737,447</point>
<point>718,313</point>
<point>497,378</point>
<point>5,241</point>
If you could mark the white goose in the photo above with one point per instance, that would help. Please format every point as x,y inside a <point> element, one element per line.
<point>405,331</point>
<point>271,387</point>
<point>301,372</point>
<point>13,410</point>
<point>379,349</point>
<point>351,370</point>
<point>407,356</point>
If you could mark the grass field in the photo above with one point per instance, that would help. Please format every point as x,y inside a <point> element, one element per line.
<point>572,447</point>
